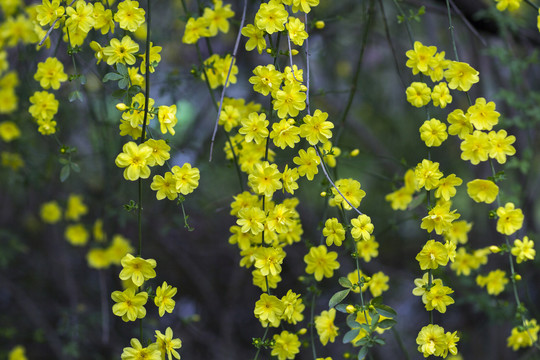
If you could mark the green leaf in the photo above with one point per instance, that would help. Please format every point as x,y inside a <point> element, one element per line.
<point>385,310</point>
<point>343,281</point>
<point>379,341</point>
<point>376,300</point>
<point>362,353</point>
<point>350,335</point>
<point>75,167</point>
<point>123,83</point>
<point>75,95</point>
<point>119,93</point>
<point>374,320</point>
<point>64,173</point>
<point>63,161</point>
<point>351,321</point>
<point>122,69</point>
<point>387,323</point>
<point>82,79</point>
<point>417,200</point>
<point>338,297</point>
<point>342,308</point>
<point>112,76</point>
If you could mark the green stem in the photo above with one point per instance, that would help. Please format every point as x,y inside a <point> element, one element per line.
<point>400,343</point>
<point>311,330</point>
<point>262,341</point>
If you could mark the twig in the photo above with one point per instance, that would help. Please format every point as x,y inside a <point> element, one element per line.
<point>227,79</point>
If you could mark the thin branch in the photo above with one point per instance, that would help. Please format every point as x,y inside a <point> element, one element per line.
<point>227,79</point>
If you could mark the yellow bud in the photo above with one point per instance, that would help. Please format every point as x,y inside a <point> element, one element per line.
<point>269,51</point>
<point>494,249</point>
<point>347,355</point>
<point>302,331</point>
<point>323,194</point>
<point>294,52</point>
<point>350,309</point>
<point>355,152</point>
<point>319,24</point>
<point>121,107</point>
<point>517,277</point>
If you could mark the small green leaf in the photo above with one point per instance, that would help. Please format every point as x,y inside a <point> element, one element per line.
<point>122,69</point>
<point>338,297</point>
<point>385,310</point>
<point>374,320</point>
<point>386,323</point>
<point>376,300</point>
<point>342,308</point>
<point>379,341</point>
<point>119,93</point>
<point>417,200</point>
<point>82,79</point>
<point>123,83</point>
<point>350,335</point>
<point>64,173</point>
<point>112,76</point>
<point>351,321</point>
<point>75,167</point>
<point>63,161</point>
<point>362,353</point>
<point>75,95</point>
<point>343,281</point>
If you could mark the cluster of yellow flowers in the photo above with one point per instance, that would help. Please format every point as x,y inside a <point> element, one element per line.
<point>479,143</point>
<point>130,306</point>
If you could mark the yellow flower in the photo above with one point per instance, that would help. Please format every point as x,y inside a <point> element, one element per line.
<point>320,262</point>
<point>17,353</point>
<point>399,199</point>
<point>333,232</point>
<point>524,336</point>
<point>255,128</point>
<point>367,249</point>
<point>421,58</point>
<point>523,250</point>
<point>475,147</point>
<point>459,124</point>
<point>217,18</point>
<point>50,212</point>
<point>255,38</point>
<point>437,298</point>
<point>48,12</point>
<point>433,132</point>
<point>439,218</point>
<point>297,31</point>
<point>251,219</point>
<point>154,58</point>
<point>76,234</point>
<point>268,260</point>
<point>501,145</point>
<point>119,247</point>
<point>303,5</point>
<point>441,95</point>
<point>284,133</point>
<point>75,207</point>
<point>12,160</point>
<point>427,175</point>
<point>315,128</point>
<point>307,162</point>
<point>324,323</point>
<point>167,345</point>
<point>457,233</point>
<point>80,18</point>
<point>286,345</point>
<point>271,17</point>
<point>163,299</point>
<point>510,219</point>
<point>482,190</point>
<point>165,186</point>
<point>378,284</point>
<point>290,100</point>
<point>195,29</point>
<point>50,73</point>
<point>104,19</point>
<point>447,187</point>
<point>418,94</point>
<point>129,15</point>
<point>137,352</point>
<point>135,159</point>
<point>362,228</point>
<point>482,115</point>
<point>293,307</point>
<point>351,190</point>
<point>461,76</point>
<point>511,5</point>
<point>495,281</point>
<point>9,131</point>
<point>121,51</point>
<point>44,106</point>
<point>97,258</point>
<point>187,178</point>
<point>432,255</point>
<point>137,269</point>
<point>431,340</point>
<point>269,309</point>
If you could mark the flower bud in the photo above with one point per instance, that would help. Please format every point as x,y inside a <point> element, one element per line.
<point>350,309</point>
<point>294,52</point>
<point>355,152</point>
<point>494,249</point>
<point>319,24</point>
<point>517,277</point>
<point>302,331</point>
<point>121,107</point>
<point>323,194</point>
